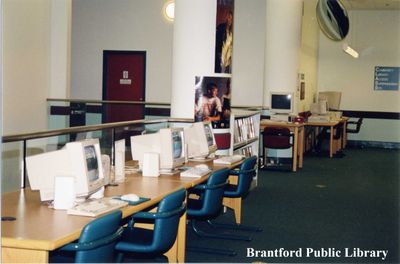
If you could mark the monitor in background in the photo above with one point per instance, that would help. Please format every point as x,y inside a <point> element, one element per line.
<point>333,98</point>
<point>169,143</point>
<point>144,144</point>
<point>200,140</point>
<point>320,108</point>
<point>281,103</point>
<point>80,159</point>
<point>172,148</point>
<point>212,145</point>
<point>196,141</point>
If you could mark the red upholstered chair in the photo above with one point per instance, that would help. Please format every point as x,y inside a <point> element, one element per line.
<point>275,138</point>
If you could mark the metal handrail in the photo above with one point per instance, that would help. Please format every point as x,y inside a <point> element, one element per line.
<point>58,132</point>
<point>248,107</point>
<point>79,129</point>
<point>105,101</point>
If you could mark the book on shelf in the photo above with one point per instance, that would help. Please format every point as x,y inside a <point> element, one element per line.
<point>246,151</point>
<point>244,129</point>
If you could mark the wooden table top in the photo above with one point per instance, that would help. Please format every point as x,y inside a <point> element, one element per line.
<point>330,123</point>
<point>39,227</point>
<point>267,122</point>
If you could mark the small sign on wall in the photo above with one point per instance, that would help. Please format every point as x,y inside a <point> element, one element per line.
<point>125,80</point>
<point>386,78</point>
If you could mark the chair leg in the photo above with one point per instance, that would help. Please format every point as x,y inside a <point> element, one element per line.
<point>235,226</point>
<point>217,236</point>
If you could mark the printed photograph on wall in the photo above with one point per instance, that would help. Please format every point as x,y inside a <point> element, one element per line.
<point>224,36</point>
<point>213,100</point>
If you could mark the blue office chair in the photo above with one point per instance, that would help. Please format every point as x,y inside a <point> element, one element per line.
<point>143,243</point>
<point>244,175</point>
<point>208,206</point>
<point>96,243</point>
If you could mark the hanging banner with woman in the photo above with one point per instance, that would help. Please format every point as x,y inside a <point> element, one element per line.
<point>224,36</point>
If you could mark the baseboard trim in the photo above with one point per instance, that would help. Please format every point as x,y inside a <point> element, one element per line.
<point>373,144</point>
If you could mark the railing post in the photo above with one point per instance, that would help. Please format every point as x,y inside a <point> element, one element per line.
<point>113,147</point>
<point>23,174</point>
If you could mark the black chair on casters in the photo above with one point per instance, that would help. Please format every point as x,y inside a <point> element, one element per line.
<point>354,126</point>
<point>324,136</point>
<point>234,193</point>
<point>207,206</point>
<point>276,138</point>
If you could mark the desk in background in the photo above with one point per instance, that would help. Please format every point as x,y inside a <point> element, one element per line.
<point>39,229</point>
<point>298,141</point>
<point>341,143</point>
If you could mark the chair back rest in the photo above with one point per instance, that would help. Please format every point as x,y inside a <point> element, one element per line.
<point>214,192</point>
<point>100,228</point>
<point>246,176</point>
<point>276,138</point>
<point>359,123</point>
<point>166,228</point>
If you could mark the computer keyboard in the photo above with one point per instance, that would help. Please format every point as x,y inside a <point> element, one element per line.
<point>195,172</point>
<point>228,159</point>
<point>94,208</point>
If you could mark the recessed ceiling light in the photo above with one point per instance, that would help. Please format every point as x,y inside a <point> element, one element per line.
<point>169,10</point>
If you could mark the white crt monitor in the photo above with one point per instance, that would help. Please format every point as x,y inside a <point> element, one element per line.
<point>200,140</point>
<point>212,145</point>
<point>80,159</point>
<point>281,103</point>
<point>144,144</point>
<point>167,142</point>
<point>333,98</point>
<point>172,148</point>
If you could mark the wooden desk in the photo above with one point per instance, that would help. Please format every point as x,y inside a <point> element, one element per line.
<point>39,229</point>
<point>331,125</point>
<point>298,141</point>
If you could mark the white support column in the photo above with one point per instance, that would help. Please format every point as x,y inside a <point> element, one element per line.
<point>282,48</point>
<point>193,51</point>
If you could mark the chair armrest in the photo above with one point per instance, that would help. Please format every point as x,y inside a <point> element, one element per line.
<point>93,244</point>
<point>237,172</point>
<point>209,187</point>
<point>149,215</point>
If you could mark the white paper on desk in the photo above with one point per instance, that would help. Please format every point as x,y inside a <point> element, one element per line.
<point>64,192</point>
<point>151,164</point>
<point>120,160</point>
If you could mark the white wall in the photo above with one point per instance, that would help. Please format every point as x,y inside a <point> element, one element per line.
<point>376,35</point>
<point>60,49</point>
<point>26,61</point>
<point>248,53</point>
<point>99,25</point>
<point>309,53</point>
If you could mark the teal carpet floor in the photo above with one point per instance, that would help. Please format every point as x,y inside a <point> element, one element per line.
<point>328,207</point>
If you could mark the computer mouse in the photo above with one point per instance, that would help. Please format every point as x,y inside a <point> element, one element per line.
<point>202,167</point>
<point>130,197</point>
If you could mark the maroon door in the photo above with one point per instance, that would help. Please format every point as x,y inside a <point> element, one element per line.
<point>124,76</point>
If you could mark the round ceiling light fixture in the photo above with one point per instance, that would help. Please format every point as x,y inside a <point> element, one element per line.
<point>169,10</point>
